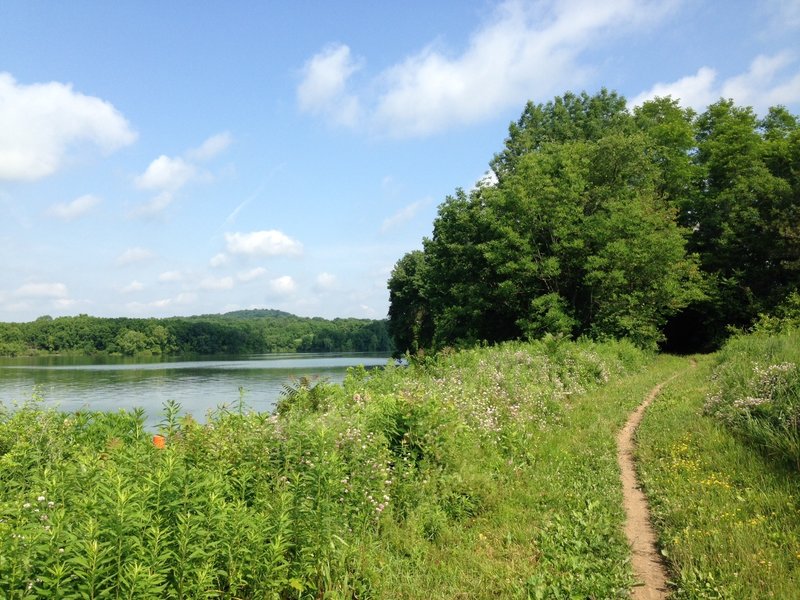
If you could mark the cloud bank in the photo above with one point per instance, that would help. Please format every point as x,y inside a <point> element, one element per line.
<point>764,84</point>
<point>525,50</point>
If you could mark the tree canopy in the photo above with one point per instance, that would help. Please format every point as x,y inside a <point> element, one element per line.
<point>658,224</point>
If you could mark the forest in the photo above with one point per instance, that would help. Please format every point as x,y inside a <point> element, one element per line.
<point>240,332</point>
<point>658,224</point>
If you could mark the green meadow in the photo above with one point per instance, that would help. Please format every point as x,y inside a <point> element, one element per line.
<point>482,473</point>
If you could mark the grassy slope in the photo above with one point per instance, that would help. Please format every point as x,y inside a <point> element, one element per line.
<point>555,527</point>
<point>728,520</point>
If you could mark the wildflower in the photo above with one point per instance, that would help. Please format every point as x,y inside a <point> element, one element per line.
<point>26,505</point>
<point>41,498</point>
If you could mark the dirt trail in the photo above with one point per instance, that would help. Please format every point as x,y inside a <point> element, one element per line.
<point>648,566</point>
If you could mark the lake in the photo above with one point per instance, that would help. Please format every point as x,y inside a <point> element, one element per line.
<point>198,384</point>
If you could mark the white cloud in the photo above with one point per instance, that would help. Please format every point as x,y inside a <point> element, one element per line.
<point>211,147</point>
<point>214,283</point>
<point>693,90</point>
<point>282,286</point>
<point>63,303</point>
<point>219,260</point>
<point>526,50</point>
<point>252,274</point>
<point>325,282</point>
<point>166,173</point>
<point>133,286</point>
<point>322,90</point>
<point>39,123</point>
<point>404,215</point>
<point>761,86</point>
<point>134,255</point>
<point>74,209</point>
<point>185,298</point>
<point>487,180</point>
<point>182,299</point>
<point>42,290</point>
<point>269,242</point>
<point>153,207</point>
<point>170,276</point>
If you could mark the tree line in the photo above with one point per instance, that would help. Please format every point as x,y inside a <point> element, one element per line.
<point>241,332</point>
<point>657,224</point>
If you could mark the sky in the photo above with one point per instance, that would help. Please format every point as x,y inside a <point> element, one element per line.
<point>184,158</point>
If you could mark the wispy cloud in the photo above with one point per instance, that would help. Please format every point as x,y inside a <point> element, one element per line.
<point>182,299</point>
<point>525,50</point>
<point>323,88</point>
<point>40,122</point>
<point>325,282</point>
<point>167,175</point>
<point>252,274</point>
<point>78,207</point>
<point>132,287</point>
<point>219,260</point>
<point>210,148</point>
<point>404,215</point>
<point>42,290</point>
<point>282,286</point>
<point>170,276</point>
<point>770,80</point>
<point>216,283</point>
<point>134,255</point>
<point>153,207</point>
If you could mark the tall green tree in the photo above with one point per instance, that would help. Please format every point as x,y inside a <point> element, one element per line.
<point>410,323</point>
<point>646,224</point>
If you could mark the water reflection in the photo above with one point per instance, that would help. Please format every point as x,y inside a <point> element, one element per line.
<point>75,383</point>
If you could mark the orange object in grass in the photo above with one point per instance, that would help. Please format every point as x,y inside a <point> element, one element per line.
<point>159,441</point>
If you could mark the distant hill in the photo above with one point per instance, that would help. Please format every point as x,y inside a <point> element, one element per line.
<point>255,331</point>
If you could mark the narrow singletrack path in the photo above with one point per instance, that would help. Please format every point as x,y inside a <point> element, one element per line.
<point>648,565</point>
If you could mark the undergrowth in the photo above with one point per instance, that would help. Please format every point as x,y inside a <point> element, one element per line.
<point>457,478</point>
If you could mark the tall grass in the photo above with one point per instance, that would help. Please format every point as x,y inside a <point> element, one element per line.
<point>728,516</point>
<point>351,491</point>
<point>756,392</point>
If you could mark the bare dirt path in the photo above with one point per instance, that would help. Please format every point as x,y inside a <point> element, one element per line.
<point>648,565</point>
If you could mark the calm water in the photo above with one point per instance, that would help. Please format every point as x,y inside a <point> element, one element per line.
<point>198,385</point>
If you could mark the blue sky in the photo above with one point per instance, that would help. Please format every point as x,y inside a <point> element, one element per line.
<point>179,158</point>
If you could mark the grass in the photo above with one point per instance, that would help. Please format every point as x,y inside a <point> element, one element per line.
<point>553,528</point>
<point>482,473</point>
<point>486,473</point>
<point>728,515</point>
